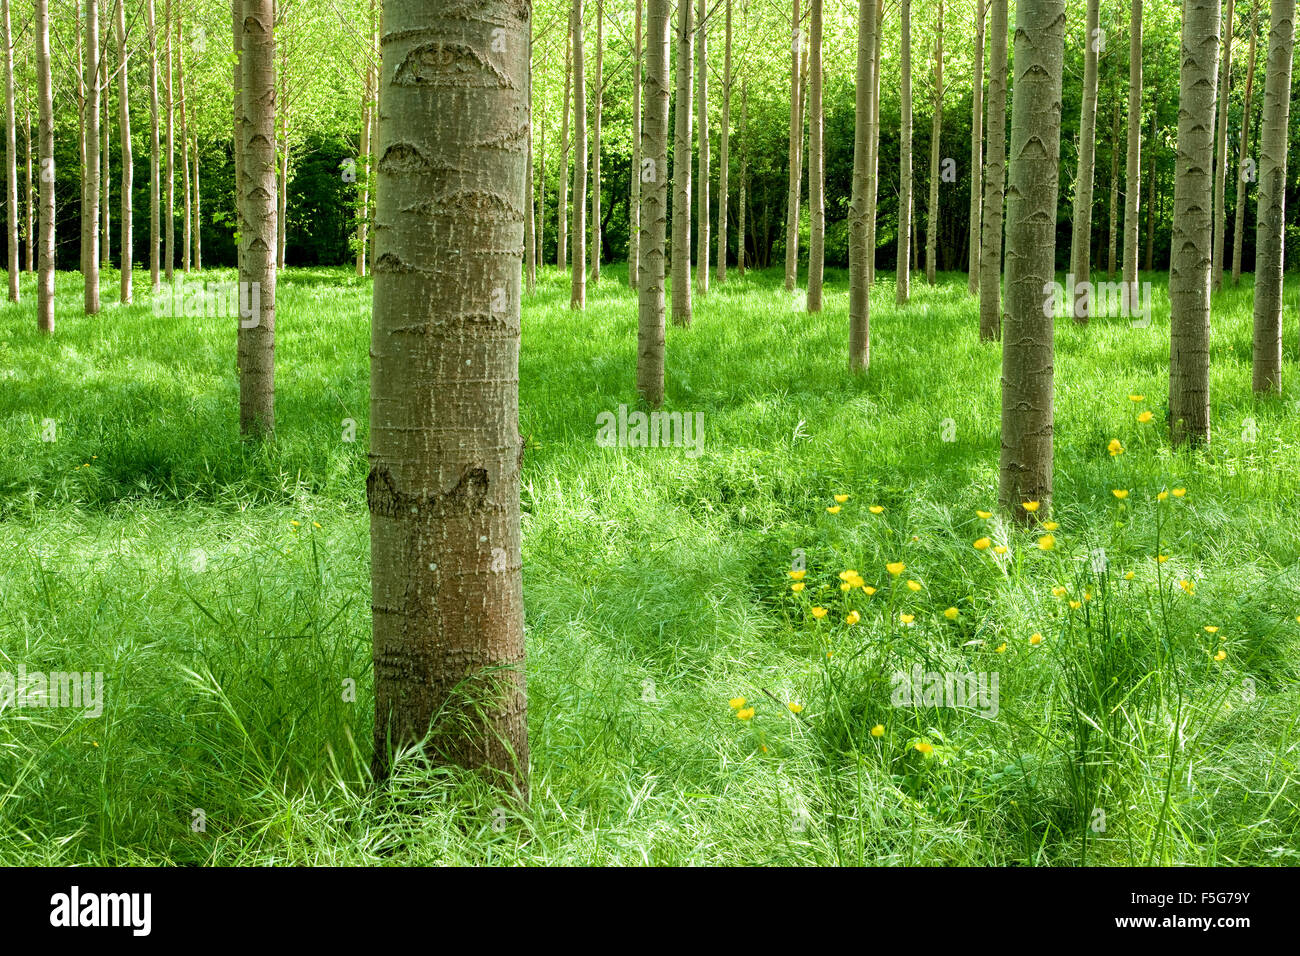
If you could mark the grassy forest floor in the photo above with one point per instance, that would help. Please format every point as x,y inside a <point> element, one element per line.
<point>224,590</point>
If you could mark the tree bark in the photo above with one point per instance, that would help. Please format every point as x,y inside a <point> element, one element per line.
<point>30,206</point>
<point>903,288</point>
<point>44,95</point>
<point>105,156</point>
<point>443,488</point>
<point>1113,209</point>
<point>1239,211</point>
<point>578,231</point>
<point>995,175</point>
<point>976,152</point>
<point>530,221</point>
<point>873,161</point>
<point>652,171</point>
<point>187,203</point>
<point>1221,148</point>
<point>11,154</point>
<point>1133,161</point>
<point>562,207</point>
<point>128,159</point>
<point>1081,244</point>
<point>795,164</point>
<point>257,275</point>
<point>634,203</point>
<point>1151,177</point>
<point>681,244</point>
<point>596,242</point>
<point>1025,467</point>
<point>816,162</point>
<point>702,191</point>
<point>936,133</point>
<point>859,277</point>
<point>237,22</point>
<point>742,201</point>
<point>169,206</point>
<point>1270,224</point>
<point>724,150</point>
<point>90,173</point>
<point>1189,270</point>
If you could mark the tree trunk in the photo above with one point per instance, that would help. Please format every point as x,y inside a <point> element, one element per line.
<point>187,204</point>
<point>11,154</point>
<point>681,244</point>
<point>128,159</point>
<point>257,275</point>
<point>634,203</point>
<point>155,161</point>
<point>1133,162</point>
<point>1221,148</point>
<point>903,288</point>
<point>816,162</point>
<point>443,488</point>
<point>198,209</point>
<point>1189,269</point>
<point>237,21</point>
<point>1113,225</point>
<point>105,211</point>
<point>1151,176</point>
<point>976,153</point>
<point>995,175</point>
<point>369,83</point>
<point>653,173</point>
<point>562,207</point>
<point>873,160</point>
<point>702,188</point>
<point>1239,212</point>
<point>936,133</point>
<point>530,222</point>
<point>1025,466</point>
<point>596,242</point>
<point>31,195</point>
<point>1081,243</point>
<point>541,184</point>
<point>1271,212</point>
<point>90,172</point>
<point>578,253</point>
<point>44,94</point>
<point>795,164</point>
<point>742,201</point>
<point>724,150</point>
<point>169,207</point>
<point>859,279</point>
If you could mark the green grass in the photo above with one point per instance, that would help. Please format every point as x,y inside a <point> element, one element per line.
<point>656,589</point>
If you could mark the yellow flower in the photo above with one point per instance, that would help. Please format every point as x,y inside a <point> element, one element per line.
<point>1162,558</point>
<point>1030,506</point>
<point>951,614</point>
<point>983,543</point>
<point>925,748</point>
<point>819,612</point>
<point>1001,648</point>
<point>985,514</point>
<point>1000,549</point>
<point>315,524</point>
<point>1087,595</point>
<point>1129,575</point>
<point>875,509</point>
<point>1115,448</point>
<point>1075,605</point>
<point>1179,492</point>
<point>878,730</point>
<point>1046,542</point>
<point>797,575</point>
<point>1145,417</point>
<point>1120,493</point>
<point>846,575</point>
<point>1050,525</point>
<point>745,714</point>
<point>1211,629</point>
<point>914,585</point>
<point>795,708</point>
<point>907,618</point>
<point>797,586</point>
<point>1162,496</point>
<point>1221,655</point>
<point>845,586</point>
<point>1136,398</point>
<point>1060,590</point>
<point>1036,639</point>
<point>736,703</point>
<point>294,523</point>
<point>840,499</point>
<point>896,568</point>
<point>868,589</point>
<point>1187,586</point>
<point>834,509</point>
<point>853,617</point>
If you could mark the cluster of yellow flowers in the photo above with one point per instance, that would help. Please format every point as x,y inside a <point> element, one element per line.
<point>747,713</point>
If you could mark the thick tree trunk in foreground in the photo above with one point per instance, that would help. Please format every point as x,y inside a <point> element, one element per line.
<point>443,488</point>
<point>816,163</point>
<point>1239,211</point>
<point>634,203</point>
<point>1081,242</point>
<point>904,280</point>
<point>653,174</point>
<point>936,132</point>
<point>44,95</point>
<point>995,176</point>
<point>794,167</point>
<point>257,274</point>
<point>1271,213</point>
<point>859,277</point>
<point>1189,269</point>
<point>1221,148</point>
<point>724,150</point>
<point>11,154</point>
<point>1133,161</point>
<point>681,244</point>
<point>977,152</point>
<point>578,230</point>
<point>128,157</point>
<point>1025,467</point>
<point>90,174</point>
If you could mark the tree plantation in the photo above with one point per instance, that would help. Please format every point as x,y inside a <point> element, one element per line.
<point>618,432</point>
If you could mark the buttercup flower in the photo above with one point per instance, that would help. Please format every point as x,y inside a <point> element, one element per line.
<point>1120,493</point>
<point>1162,496</point>
<point>797,586</point>
<point>878,730</point>
<point>1179,492</point>
<point>1188,586</point>
<point>1075,605</point>
<point>1115,448</point>
<point>834,509</point>
<point>982,543</point>
<point>985,514</point>
<point>925,748</point>
<point>853,617</point>
<point>1221,655</point>
<point>1137,398</point>
<point>797,575</point>
<point>736,703</point>
<point>745,714</point>
<point>1211,629</point>
<point>795,708</point>
<point>1129,575</point>
<point>1036,639</point>
<point>1000,549</point>
<point>1001,648</point>
<point>1050,525</point>
<point>819,612</point>
<point>1060,590</point>
<point>1145,417</point>
<point>914,585</point>
<point>951,614</point>
<point>868,589</point>
<point>875,509</point>
<point>896,568</point>
<point>1030,506</point>
<point>1046,542</point>
<point>907,618</point>
<point>840,499</point>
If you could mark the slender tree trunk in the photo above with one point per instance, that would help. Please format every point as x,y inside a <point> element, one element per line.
<point>81,125</point>
<point>796,140</point>
<point>596,242</point>
<point>443,488</point>
<point>904,276</point>
<point>1221,148</point>
<point>653,173</point>
<point>995,175</point>
<point>1189,269</point>
<point>1133,161</point>
<point>1271,213</point>
<point>1025,467</point>
<point>282,199</point>
<point>530,227</point>
<point>369,84</point>
<point>578,282</point>
<point>237,21</point>
<point>1151,177</point>
<point>1113,225</point>
<point>1239,211</point>
<point>936,133</point>
<point>634,203</point>
<point>562,208</point>
<point>859,278</point>
<point>169,208</point>
<point>31,195</point>
<point>257,275</point>
<point>873,158</point>
<point>742,201</point>
<point>155,159</point>
<point>187,203</point>
<point>105,156</point>
<point>541,186</point>
<point>816,162</point>
<point>45,98</point>
<point>11,154</point>
<point>90,172</point>
<point>976,152</point>
<point>702,190</point>
<point>681,244</point>
<point>198,210</point>
<point>724,150</point>
<point>128,157</point>
<point>1081,244</point>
